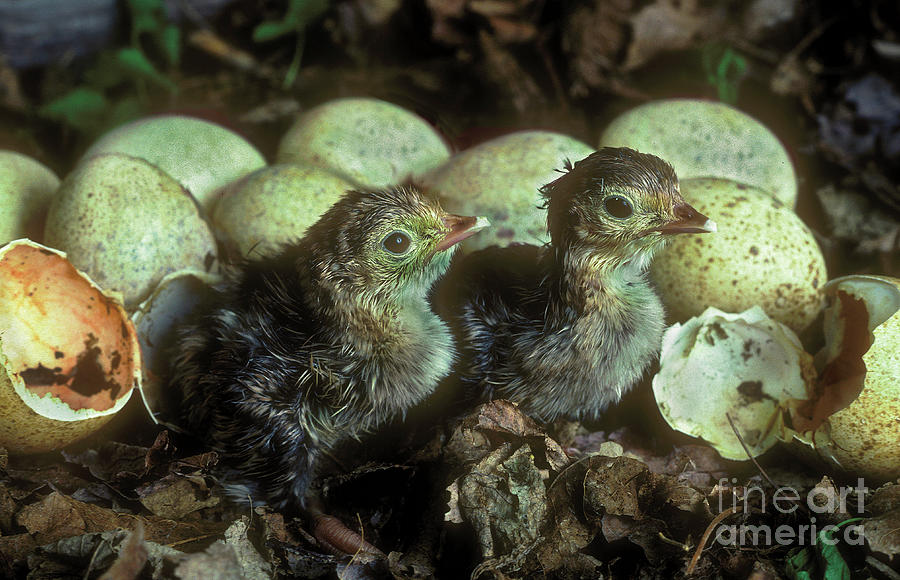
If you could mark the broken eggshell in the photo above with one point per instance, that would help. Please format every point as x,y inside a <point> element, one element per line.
<point>70,355</point>
<point>744,366</point>
<point>157,320</point>
<point>854,418</point>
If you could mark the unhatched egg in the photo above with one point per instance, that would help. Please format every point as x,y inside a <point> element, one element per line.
<point>762,255</point>
<point>127,224</point>
<point>501,179</point>
<point>200,155</point>
<point>370,142</point>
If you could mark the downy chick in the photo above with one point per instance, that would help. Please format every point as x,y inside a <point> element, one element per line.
<point>327,339</point>
<point>566,329</point>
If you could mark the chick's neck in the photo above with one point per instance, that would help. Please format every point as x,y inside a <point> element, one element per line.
<point>592,281</point>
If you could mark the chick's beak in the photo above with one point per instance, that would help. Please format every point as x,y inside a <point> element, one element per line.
<point>688,221</point>
<point>459,228</point>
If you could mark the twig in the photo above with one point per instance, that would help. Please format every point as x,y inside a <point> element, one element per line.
<point>747,451</point>
<point>709,530</point>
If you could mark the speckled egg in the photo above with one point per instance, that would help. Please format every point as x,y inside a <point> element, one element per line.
<point>500,179</point>
<point>274,205</point>
<point>69,355</point>
<point>863,438</point>
<point>761,255</point>
<point>371,142</point>
<point>200,155</point>
<point>157,319</point>
<point>707,139</point>
<point>127,224</point>
<point>719,365</point>
<point>26,188</point>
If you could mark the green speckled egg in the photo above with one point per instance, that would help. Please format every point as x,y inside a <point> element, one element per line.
<point>372,143</point>
<point>500,179</point>
<point>274,205</point>
<point>762,254</point>
<point>200,155</point>
<point>707,139</point>
<point>127,224</point>
<point>26,188</point>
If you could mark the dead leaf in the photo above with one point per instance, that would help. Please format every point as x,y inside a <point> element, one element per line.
<point>218,562</point>
<point>620,486</point>
<point>882,533</point>
<point>132,557</point>
<point>509,76</point>
<point>58,516</point>
<point>175,496</point>
<point>112,461</point>
<point>886,498</point>
<point>667,25</point>
<point>594,36</point>
<point>253,565</point>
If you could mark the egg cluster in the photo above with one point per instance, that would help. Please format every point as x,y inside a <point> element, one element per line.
<point>145,220</point>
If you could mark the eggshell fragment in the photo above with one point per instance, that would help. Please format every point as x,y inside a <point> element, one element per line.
<point>26,188</point>
<point>200,155</point>
<point>501,179</point>
<point>371,142</point>
<point>744,366</point>
<point>157,320</point>
<point>859,391</point>
<point>127,224</point>
<point>70,356</point>
<point>762,254</point>
<point>274,205</point>
<point>707,139</point>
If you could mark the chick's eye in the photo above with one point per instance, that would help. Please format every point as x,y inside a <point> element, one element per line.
<point>618,206</point>
<point>396,242</point>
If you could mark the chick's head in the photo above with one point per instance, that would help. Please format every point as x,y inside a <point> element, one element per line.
<point>620,204</point>
<point>391,243</point>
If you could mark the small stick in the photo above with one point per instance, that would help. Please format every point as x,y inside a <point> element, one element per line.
<point>708,532</point>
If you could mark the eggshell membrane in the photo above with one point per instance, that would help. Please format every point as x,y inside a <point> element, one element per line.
<point>173,302</point>
<point>70,355</point>
<point>200,155</point>
<point>127,224</point>
<point>26,188</point>
<point>719,364</point>
<point>707,139</point>
<point>500,179</point>
<point>371,142</point>
<point>274,205</point>
<point>866,434</point>
<point>762,254</point>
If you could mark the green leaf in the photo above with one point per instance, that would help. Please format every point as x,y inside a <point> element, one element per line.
<point>81,108</point>
<point>271,30</point>
<point>300,14</point>
<point>800,564</point>
<point>170,43</point>
<point>134,62</point>
<point>147,16</point>
<point>829,555</point>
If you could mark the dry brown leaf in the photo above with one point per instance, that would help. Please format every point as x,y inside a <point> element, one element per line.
<point>663,26</point>
<point>175,496</point>
<point>593,37</point>
<point>218,562</point>
<point>882,533</point>
<point>58,516</point>
<point>132,557</point>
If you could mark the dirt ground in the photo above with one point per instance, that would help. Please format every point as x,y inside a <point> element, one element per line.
<point>495,494</point>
